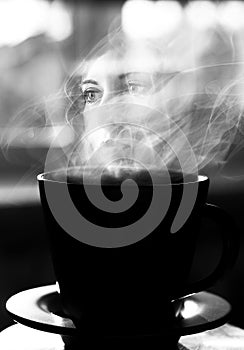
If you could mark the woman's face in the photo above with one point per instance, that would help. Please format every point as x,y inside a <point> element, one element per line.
<point>108,80</point>
<point>126,81</point>
<point>132,79</point>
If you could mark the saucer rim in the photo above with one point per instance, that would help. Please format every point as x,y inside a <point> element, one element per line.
<point>199,323</point>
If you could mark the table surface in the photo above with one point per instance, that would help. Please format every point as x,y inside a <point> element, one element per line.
<point>19,337</point>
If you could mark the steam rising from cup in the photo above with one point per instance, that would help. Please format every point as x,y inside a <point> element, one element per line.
<point>160,73</point>
<point>157,83</point>
<point>128,73</point>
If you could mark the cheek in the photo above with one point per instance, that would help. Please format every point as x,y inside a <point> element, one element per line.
<point>91,121</point>
<point>146,100</point>
<point>95,117</point>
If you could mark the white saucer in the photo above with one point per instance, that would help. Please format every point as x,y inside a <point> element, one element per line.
<point>40,308</point>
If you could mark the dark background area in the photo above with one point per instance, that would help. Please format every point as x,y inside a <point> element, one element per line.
<point>36,66</point>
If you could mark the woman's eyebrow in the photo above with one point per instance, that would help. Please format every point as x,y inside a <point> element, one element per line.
<point>139,75</point>
<point>90,81</point>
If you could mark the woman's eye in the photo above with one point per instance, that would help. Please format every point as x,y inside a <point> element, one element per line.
<point>137,89</point>
<point>92,95</point>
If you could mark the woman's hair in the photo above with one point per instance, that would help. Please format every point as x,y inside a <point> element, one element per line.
<point>75,100</point>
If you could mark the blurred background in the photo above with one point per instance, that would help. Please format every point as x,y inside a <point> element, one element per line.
<point>41,43</point>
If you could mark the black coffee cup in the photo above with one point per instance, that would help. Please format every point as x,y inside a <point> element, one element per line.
<point>127,289</point>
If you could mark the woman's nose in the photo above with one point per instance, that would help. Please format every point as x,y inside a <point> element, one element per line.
<point>116,91</point>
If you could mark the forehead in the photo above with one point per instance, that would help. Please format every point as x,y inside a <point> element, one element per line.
<point>111,64</point>
<point>99,68</point>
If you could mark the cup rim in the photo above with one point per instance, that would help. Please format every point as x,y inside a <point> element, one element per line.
<point>41,177</point>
